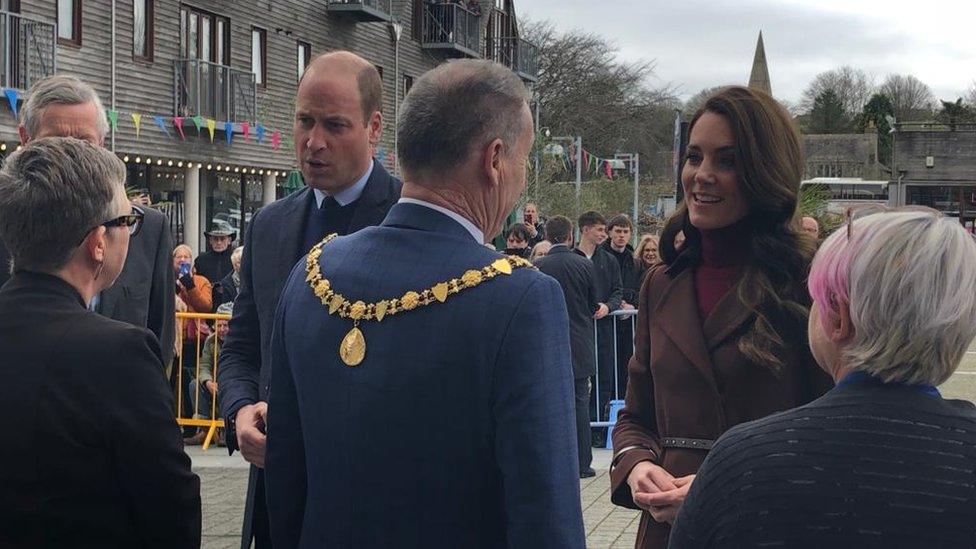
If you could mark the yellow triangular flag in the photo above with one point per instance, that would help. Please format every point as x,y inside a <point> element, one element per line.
<point>137,120</point>
<point>211,125</point>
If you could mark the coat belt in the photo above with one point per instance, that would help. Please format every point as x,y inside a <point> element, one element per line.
<point>689,443</point>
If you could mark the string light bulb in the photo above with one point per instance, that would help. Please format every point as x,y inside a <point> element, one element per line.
<point>138,160</point>
<point>179,164</point>
<point>160,162</point>
<point>148,160</point>
<point>124,158</point>
<point>210,166</point>
<point>169,163</point>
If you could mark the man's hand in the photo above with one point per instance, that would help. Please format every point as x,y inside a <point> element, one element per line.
<point>664,505</point>
<point>601,311</point>
<point>211,386</point>
<point>626,306</point>
<point>531,228</point>
<point>251,422</point>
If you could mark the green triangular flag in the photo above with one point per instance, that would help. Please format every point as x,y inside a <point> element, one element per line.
<point>198,122</point>
<point>113,118</point>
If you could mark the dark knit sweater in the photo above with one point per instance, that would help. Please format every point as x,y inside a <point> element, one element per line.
<point>866,465</point>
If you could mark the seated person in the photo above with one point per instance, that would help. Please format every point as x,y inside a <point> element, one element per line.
<point>203,389</point>
<point>882,460</point>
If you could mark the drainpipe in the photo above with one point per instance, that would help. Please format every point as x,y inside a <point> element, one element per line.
<point>396,31</point>
<point>112,92</point>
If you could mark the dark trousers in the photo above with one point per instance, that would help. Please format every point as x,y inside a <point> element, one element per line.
<point>606,366</point>
<point>582,387</point>
<point>256,526</point>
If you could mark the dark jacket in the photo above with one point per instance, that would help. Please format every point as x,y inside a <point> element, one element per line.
<point>272,246</point>
<point>575,275</point>
<point>687,380</point>
<point>630,272</point>
<point>224,291</point>
<point>866,465</point>
<point>495,462</point>
<point>609,288</point>
<point>4,264</point>
<point>143,293</point>
<point>214,266</point>
<point>91,455</point>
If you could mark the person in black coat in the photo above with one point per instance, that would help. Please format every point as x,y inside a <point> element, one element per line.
<point>882,460</point>
<point>347,191</point>
<point>617,244</point>
<point>215,264</point>
<point>92,456</point>
<point>227,289</point>
<point>609,293</point>
<point>576,276</point>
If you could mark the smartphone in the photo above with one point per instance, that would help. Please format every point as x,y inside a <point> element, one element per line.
<point>184,269</point>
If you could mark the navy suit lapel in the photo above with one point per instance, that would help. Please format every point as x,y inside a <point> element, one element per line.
<point>380,192</point>
<point>291,233</point>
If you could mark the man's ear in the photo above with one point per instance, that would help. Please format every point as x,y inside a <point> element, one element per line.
<point>492,161</point>
<point>374,128</point>
<point>95,244</point>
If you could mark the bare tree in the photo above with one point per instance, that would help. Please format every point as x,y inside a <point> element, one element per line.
<point>585,90</point>
<point>911,98</point>
<point>852,86</point>
<point>971,94</point>
<point>695,102</point>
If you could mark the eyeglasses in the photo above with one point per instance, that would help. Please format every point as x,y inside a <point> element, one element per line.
<point>132,221</point>
<point>858,212</point>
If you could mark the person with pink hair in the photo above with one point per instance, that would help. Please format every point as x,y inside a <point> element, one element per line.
<point>881,460</point>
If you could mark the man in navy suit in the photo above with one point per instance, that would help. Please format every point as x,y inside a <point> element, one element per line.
<point>337,122</point>
<point>446,419</point>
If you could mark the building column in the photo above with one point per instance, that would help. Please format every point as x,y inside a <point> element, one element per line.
<point>191,208</point>
<point>270,188</point>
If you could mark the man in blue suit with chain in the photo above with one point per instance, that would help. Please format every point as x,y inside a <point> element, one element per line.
<point>337,122</point>
<point>422,385</point>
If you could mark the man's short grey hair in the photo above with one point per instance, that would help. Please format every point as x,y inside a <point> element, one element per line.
<point>53,192</point>
<point>911,285</point>
<point>459,106</point>
<point>59,89</point>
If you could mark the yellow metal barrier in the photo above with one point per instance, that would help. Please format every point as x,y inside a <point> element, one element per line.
<point>214,422</point>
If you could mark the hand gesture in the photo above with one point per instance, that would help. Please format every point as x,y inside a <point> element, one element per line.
<point>250,425</point>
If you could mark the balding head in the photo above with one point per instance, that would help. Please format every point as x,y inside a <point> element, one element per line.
<point>339,63</point>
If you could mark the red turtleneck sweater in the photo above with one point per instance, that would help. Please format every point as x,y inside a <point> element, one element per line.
<point>724,252</point>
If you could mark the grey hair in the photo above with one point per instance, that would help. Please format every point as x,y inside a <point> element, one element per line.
<point>912,294</point>
<point>456,107</point>
<point>53,192</point>
<point>59,89</point>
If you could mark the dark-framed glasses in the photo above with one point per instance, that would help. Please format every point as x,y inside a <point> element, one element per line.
<point>132,221</point>
<point>857,212</point>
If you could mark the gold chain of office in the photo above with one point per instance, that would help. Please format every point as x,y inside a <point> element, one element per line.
<point>352,350</point>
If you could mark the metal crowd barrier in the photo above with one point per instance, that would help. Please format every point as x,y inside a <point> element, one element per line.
<point>625,321</point>
<point>214,422</point>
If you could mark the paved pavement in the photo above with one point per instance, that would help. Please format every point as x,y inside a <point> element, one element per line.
<point>224,479</point>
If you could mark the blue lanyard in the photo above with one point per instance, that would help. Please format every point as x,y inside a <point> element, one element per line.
<point>862,377</point>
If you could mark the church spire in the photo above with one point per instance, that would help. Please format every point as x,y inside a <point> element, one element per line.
<point>759,79</point>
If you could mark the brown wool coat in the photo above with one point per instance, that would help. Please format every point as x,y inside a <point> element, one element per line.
<point>689,380</point>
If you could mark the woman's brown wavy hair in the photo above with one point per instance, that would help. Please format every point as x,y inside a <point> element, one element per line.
<point>769,162</point>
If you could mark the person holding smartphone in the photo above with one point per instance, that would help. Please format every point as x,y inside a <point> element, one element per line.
<point>194,294</point>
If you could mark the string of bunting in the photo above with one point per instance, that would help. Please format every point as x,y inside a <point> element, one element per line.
<point>208,127</point>
<point>591,163</point>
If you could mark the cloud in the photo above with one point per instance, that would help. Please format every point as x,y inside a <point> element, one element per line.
<point>704,43</point>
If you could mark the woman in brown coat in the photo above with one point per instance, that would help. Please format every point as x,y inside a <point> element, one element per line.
<point>721,332</point>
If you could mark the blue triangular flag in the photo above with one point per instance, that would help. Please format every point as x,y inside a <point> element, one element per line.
<point>229,131</point>
<point>12,96</point>
<point>162,124</point>
<point>260,131</point>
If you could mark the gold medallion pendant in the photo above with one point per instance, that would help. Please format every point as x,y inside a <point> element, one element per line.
<point>352,350</point>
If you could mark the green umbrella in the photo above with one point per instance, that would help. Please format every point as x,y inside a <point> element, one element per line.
<point>293,183</point>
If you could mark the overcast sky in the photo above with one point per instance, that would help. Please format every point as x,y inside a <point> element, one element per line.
<point>703,43</point>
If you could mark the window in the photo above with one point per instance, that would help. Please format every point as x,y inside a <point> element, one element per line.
<point>407,84</point>
<point>142,28</point>
<point>379,69</point>
<point>204,36</point>
<point>259,43</point>
<point>69,22</point>
<point>304,57</point>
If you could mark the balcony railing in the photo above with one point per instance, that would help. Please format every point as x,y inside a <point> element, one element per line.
<point>29,50</point>
<point>214,91</point>
<point>517,54</point>
<point>366,11</point>
<point>451,28</point>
